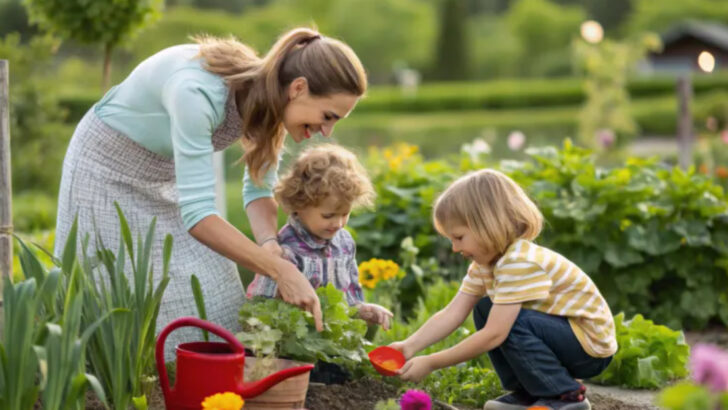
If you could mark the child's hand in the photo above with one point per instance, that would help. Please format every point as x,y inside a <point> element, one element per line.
<point>273,247</point>
<point>416,369</point>
<point>375,314</point>
<point>404,348</point>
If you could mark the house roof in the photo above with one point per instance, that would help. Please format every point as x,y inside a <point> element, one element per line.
<point>712,33</point>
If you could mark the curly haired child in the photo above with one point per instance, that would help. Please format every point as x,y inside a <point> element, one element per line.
<point>541,319</point>
<point>319,192</point>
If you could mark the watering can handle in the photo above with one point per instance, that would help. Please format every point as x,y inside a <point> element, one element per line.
<point>193,322</point>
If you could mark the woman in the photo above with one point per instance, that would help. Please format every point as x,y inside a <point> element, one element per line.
<point>148,145</point>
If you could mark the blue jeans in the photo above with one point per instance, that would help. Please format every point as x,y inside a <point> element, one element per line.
<point>541,354</point>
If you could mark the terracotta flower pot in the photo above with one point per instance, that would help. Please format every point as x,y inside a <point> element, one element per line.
<point>288,394</point>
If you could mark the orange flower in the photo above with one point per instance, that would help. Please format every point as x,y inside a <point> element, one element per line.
<point>223,401</point>
<point>703,169</point>
<point>721,172</point>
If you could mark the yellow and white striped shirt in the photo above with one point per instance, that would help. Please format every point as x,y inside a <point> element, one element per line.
<point>546,281</point>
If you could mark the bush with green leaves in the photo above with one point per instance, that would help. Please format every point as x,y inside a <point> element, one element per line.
<point>406,186</point>
<point>653,238</point>
<point>272,327</point>
<point>649,355</point>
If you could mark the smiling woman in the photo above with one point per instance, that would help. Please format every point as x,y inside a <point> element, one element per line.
<point>148,145</point>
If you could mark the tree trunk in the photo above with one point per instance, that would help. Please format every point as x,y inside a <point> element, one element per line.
<point>106,79</point>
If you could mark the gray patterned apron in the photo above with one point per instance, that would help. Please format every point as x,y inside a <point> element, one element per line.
<point>103,166</point>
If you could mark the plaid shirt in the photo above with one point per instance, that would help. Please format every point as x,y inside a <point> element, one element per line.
<point>321,261</point>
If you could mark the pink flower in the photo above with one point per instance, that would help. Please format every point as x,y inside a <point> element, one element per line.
<point>709,366</point>
<point>724,136</point>
<point>605,137</point>
<point>516,140</point>
<point>415,400</point>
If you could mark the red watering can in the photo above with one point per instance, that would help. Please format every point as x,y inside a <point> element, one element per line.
<point>207,368</point>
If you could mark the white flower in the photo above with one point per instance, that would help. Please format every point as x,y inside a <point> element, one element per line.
<point>477,148</point>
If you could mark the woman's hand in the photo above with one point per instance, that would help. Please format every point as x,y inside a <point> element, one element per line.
<point>375,314</point>
<point>404,348</point>
<point>416,369</point>
<point>295,289</point>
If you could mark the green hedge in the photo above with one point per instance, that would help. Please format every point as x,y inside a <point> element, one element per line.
<point>516,93</point>
<point>654,239</point>
<point>492,95</point>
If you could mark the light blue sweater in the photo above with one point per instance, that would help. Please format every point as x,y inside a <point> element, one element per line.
<point>171,105</point>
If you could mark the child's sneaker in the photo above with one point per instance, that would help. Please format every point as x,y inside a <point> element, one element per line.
<point>573,400</point>
<point>556,404</point>
<point>517,400</point>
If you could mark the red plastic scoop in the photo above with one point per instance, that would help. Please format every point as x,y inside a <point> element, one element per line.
<point>386,360</point>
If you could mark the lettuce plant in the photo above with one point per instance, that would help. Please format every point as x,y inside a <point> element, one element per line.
<point>649,355</point>
<point>274,327</point>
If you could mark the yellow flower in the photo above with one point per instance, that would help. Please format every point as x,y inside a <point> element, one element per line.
<point>390,269</point>
<point>375,270</point>
<point>223,401</point>
<point>369,274</point>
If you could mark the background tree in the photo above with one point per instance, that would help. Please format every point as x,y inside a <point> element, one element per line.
<point>105,22</point>
<point>451,55</point>
<point>544,31</point>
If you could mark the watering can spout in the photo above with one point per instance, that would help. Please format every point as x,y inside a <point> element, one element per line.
<point>258,387</point>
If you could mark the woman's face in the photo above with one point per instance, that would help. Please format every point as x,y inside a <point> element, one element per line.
<point>305,114</point>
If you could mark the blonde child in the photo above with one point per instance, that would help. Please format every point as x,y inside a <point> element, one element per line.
<point>541,319</point>
<point>319,192</point>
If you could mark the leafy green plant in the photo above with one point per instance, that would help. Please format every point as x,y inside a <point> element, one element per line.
<point>62,360</point>
<point>390,404</point>
<point>121,352</point>
<point>199,302</point>
<point>649,355</point>
<point>463,384</point>
<point>273,327</point>
<point>18,389</point>
<point>690,396</point>
<point>42,336</point>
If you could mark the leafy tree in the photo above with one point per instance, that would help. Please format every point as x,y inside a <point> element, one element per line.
<point>544,31</point>
<point>105,22</point>
<point>37,134</point>
<point>383,32</point>
<point>605,68</point>
<point>13,18</point>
